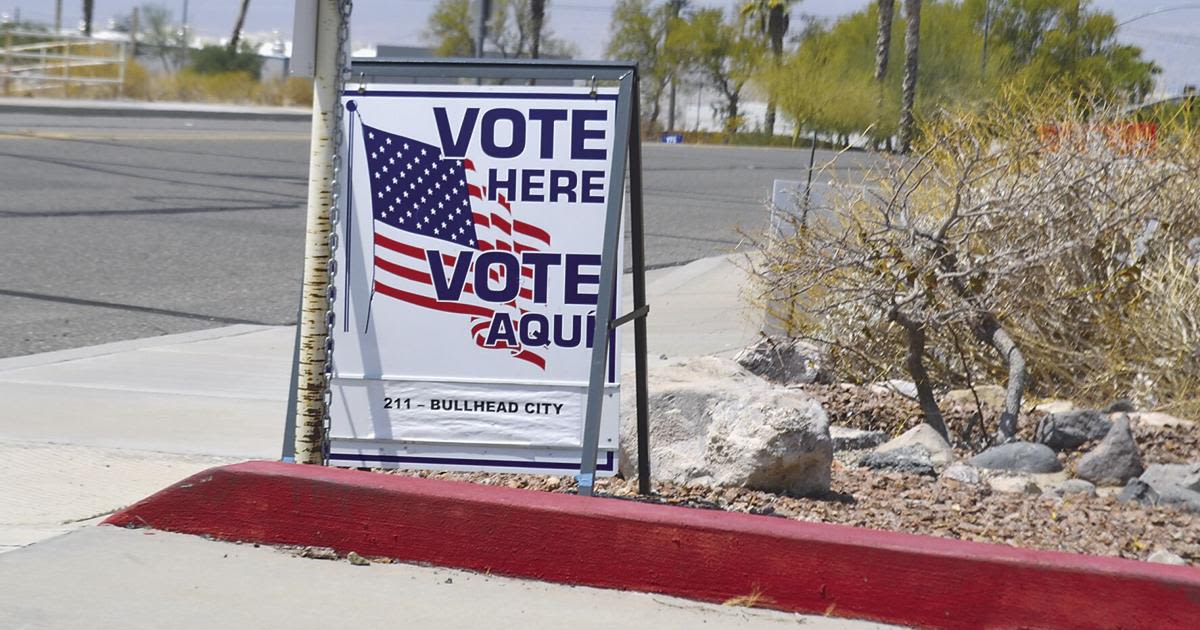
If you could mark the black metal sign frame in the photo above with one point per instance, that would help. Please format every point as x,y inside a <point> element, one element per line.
<point>627,156</point>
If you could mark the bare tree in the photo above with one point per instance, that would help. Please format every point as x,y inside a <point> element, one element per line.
<point>999,232</point>
<point>237,26</point>
<point>908,95</point>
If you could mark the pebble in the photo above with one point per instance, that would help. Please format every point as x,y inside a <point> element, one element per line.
<point>1164,556</point>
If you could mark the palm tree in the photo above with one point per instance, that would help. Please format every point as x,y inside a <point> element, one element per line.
<point>883,38</point>
<point>772,18</point>
<point>674,10</point>
<point>237,26</point>
<point>89,7</point>
<point>908,94</point>
<point>537,17</point>
<point>883,48</point>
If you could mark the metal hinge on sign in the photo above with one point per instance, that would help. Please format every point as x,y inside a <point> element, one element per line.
<point>630,316</point>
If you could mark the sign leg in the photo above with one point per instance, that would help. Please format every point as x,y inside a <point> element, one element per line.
<point>610,266</point>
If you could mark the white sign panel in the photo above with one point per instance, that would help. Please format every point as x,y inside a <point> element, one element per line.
<point>467,277</point>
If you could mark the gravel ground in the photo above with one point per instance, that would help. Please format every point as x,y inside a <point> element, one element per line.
<point>1097,525</point>
<point>921,505</point>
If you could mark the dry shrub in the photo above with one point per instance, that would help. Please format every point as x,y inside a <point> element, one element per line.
<point>1036,237</point>
<point>226,87</point>
<point>189,86</point>
<point>289,92</point>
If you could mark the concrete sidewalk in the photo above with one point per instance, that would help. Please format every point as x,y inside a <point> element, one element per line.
<point>143,109</point>
<point>86,431</point>
<point>105,577</point>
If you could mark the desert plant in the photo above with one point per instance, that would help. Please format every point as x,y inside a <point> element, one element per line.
<point>1037,238</point>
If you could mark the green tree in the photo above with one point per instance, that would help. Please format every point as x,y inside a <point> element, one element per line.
<point>1032,45</point>
<point>449,29</point>
<point>640,33</point>
<point>725,53</point>
<point>1070,44</point>
<point>513,28</point>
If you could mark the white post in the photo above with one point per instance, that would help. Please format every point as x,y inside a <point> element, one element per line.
<point>310,425</point>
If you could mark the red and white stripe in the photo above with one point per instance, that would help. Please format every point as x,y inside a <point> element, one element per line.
<point>402,271</point>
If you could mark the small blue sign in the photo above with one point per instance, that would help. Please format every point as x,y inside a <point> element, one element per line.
<point>672,138</point>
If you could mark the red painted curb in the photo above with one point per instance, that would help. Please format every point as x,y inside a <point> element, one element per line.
<point>699,554</point>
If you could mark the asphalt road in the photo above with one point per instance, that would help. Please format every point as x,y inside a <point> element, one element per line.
<point>118,227</point>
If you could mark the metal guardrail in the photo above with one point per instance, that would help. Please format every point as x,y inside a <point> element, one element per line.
<point>57,61</point>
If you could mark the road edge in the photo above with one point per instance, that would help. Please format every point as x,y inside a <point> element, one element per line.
<point>706,555</point>
<point>152,109</point>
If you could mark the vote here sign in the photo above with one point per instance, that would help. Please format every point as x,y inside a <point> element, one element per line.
<point>468,273</point>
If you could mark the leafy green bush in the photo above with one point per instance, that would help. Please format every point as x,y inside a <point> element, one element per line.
<point>219,59</point>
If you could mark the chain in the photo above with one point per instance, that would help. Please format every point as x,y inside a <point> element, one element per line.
<point>343,36</point>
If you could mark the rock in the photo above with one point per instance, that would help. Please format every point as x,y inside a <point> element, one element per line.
<point>895,386</point>
<point>850,439</point>
<point>1157,419</point>
<point>357,560</point>
<point>1115,460</point>
<point>962,473</point>
<point>784,361</point>
<point>990,395</point>
<point>1054,405</point>
<point>1070,430</point>
<point>713,422</point>
<point>318,553</point>
<point>912,459</point>
<point>1013,484</point>
<point>1185,476</point>
<point>1120,406</point>
<point>1164,556</point>
<point>1019,457</point>
<point>1175,485</point>
<point>1069,487</point>
<point>1138,491</point>
<point>925,437</point>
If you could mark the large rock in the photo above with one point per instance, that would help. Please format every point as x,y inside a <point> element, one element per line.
<point>1070,430</point>
<point>1018,457</point>
<point>1176,485</point>
<point>1115,460</point>
<point>1185,476</point>
<point>713,422</point>
<point>912,459</point>
<point>923,437</point>
<point>784,361</point>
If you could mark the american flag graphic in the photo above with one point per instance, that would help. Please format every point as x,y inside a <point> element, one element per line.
<point>442,202</point>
